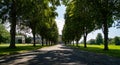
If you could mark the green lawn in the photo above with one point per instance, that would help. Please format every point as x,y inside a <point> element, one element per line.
<point>21,48</point>
<point>114,50</point>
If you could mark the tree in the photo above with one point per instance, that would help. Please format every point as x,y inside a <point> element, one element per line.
<point>104,11</point>
<point>10,11</point>
<point>9,7</point>
<point>99,39</point>
<point>30,15</point>
<point>117,40</point>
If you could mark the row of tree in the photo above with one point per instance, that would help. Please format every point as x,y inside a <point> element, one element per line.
<point>115,40</point>
<point>38,15</point>
<point>85,16</point>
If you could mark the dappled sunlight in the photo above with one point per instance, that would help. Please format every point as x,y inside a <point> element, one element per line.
<point>58,55</point>
<point>56,47</point>
<point>54,55</point>
<point>22,60</point>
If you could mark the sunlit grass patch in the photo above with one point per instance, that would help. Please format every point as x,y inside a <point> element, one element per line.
<point>21,48</point>
<point>113,49</point>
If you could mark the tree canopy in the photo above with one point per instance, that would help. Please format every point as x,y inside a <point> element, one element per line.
<point>90,15</point>
<point>29,13</point>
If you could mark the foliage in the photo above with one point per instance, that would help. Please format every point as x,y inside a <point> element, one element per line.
<point>117,41</point>
<point>111,41</point>
<point>92,41</point>
<point>28,39</point>
<point>27,13</point>
<point>99,39</point>
<point>106,10</point>
<point>4,34</point>
<point>92,15</point>
<point>78,21</point>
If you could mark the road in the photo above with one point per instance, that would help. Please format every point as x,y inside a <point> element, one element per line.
<point>58,55</point>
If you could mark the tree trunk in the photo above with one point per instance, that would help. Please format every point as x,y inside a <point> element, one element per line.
<point>105,31</point>
<point>13,25</point>
<point>76,42</point>
<point>85,46</point>
<point>49,42</point>
<point>46,42</point>
<point>34,42</point>
<point>70,43</point>
<point>65,43</point>
<point>42,41</point>
<point>73,43</point>
<point>0,38</point>
<point>85,37</point>
<point>53,43</point>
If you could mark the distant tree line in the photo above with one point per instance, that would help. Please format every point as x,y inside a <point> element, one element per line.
<point>99,40</point>
<point>115,40</point>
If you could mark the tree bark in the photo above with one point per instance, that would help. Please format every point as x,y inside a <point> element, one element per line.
<point>42,41</point>
<point>85,39</point>
<point>105,31</point>
<point>46,42</point>
<point>73,43</point>
<point>76,42</point>
<point>49,42</point>
<point>34,42</point>
<point>65,43</point>
<point>13,24</point>
<point>85,46</point>
<point>0,38</point>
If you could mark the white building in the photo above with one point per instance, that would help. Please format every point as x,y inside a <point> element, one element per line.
<point>20,39</point>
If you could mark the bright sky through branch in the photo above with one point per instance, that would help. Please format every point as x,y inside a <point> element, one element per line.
<point>60,19</point>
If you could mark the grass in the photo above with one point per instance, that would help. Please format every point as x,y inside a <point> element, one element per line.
<point>21,48</point>
<point>113,51</point>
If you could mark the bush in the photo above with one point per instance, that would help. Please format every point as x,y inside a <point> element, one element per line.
<point>28,40</point>
<point>117,40</point>
<point>92,41</point>
<point>19,40</point>
<point>4,34</point>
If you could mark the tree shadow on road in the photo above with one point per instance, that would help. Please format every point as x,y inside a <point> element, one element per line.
<point>55,57</point>
<point>65,56</point>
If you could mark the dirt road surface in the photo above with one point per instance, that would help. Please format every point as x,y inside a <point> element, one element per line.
<point>58,55</point>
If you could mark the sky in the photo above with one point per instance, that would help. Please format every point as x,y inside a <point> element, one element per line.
<point>60,19</point>
<point>60,23</point>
